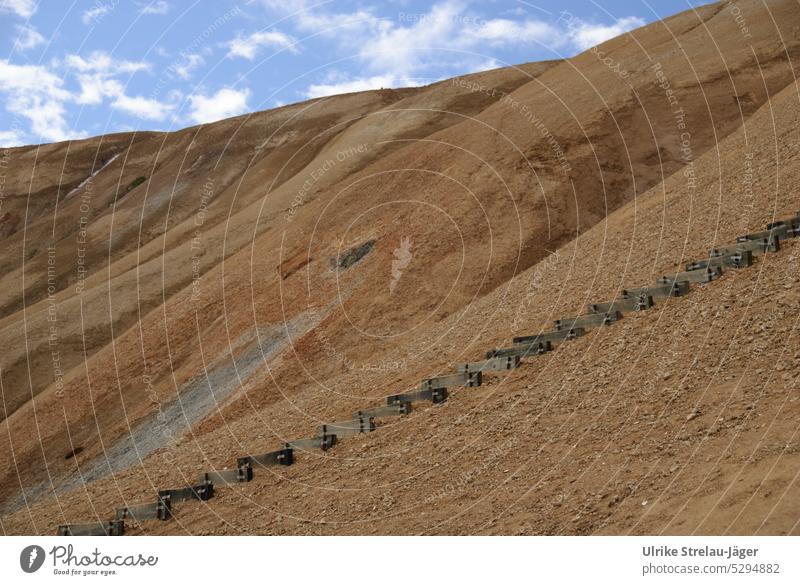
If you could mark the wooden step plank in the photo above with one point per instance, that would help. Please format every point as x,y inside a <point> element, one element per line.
<point>523,350</point>
<point>435,395</point>
<point>202,492</point>
<point>586,321</point>
<point>160,510</point>
<point>347,428</point>
<point>111,528</point>
<point>705,275</point>
<point>384,411</point>
<point>227,476</point>
<point>465,379</point>
<point>491,365</point>
<point>557,336</point>
<point>320,442</point>
<point>781,231</point>
<point>659,291</point>
<point>790,222</point>
<point>271,459</point>
<point>738,259</point>
<point>627,305</point>
<point>756,247</point>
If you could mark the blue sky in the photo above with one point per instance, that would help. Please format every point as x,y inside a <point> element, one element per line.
<point>72,69</point>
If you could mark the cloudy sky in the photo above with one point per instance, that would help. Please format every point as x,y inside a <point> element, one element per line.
<point>71,69</point>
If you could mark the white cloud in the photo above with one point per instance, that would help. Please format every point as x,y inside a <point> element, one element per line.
<point>225,103</point>
<point>185,68</point>
<point>446,34</point>
<point>34,93</point>
<point>11,138</point>
<point>403,50</point>
<point>333,25</point>
<point>96,14</point>
<point>97,77</point>
<point>357,84</point>
<point>248,46</point>
<point>23,8</point>
<point>518,11</point>
<point>156,7</point>
<point>102,62</point>
<point>30,79</point>
<point>448,39</point>
<point>49,119</point>
<point>586,35</point>
<point>38,94</point>
<point>482,66</point>
<point>141,107</point>
<point>27,38</point>
<point>95,89</point>
<point>501,31</point>
<point>312,17</point>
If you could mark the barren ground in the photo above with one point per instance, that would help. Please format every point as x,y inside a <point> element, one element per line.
<point>212,320</point>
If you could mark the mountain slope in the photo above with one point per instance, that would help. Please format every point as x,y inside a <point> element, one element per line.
<point>680,419</point>
<point>479,199</point>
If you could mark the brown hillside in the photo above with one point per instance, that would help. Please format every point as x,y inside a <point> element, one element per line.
<point>242,317</point>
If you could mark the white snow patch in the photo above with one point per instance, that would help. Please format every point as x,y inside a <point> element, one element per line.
<point>90,177</point>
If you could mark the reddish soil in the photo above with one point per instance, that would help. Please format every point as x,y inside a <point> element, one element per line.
<point>493,214</point>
